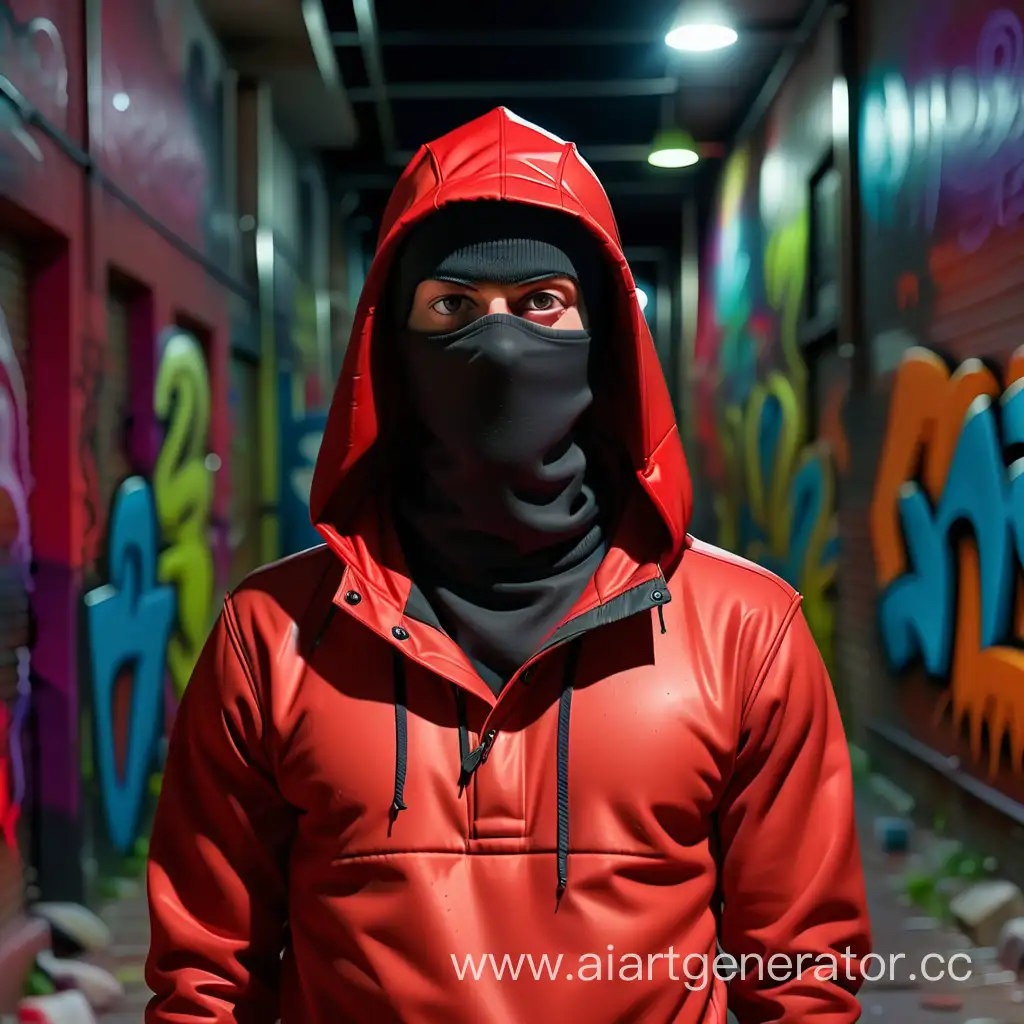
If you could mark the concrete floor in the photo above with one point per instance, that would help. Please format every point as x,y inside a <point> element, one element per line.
<point>987,998</point>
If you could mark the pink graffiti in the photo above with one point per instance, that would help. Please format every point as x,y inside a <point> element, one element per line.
<point>16,481</point>
<point>956,135</point>
<point>15,473</point>
<point>35,63</point>
<point>10,808</point>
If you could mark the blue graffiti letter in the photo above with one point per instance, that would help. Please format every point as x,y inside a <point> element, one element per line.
<point>917,610</point>
<point>128,622</point>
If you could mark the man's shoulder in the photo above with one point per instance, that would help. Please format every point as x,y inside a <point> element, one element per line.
<point>280,594</point>
<point>718,575</point>
<point>739,610</point>
<point>282,571</point>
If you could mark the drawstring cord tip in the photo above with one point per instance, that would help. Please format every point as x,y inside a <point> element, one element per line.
<point>397,806</point>
<point>661,617</point>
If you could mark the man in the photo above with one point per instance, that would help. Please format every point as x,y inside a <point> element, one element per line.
<point>510,708</point>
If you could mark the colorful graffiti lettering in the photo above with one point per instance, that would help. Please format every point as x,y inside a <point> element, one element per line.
<point>776,501</point>
<point>10,808</point>
<point>15,474</point>
<point>129,622</point>
<point>35,63</point>
<point>959,135</point>
<point>15,486</point>
<point>183,489</point>
<point>779,507</point>
<point>785,277</point>
<point>951,599</point>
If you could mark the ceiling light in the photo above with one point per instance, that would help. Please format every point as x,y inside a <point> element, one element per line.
<point>673,149</point>
<point>673,158</point>
<point>641,298</point>
<point>701,38</point>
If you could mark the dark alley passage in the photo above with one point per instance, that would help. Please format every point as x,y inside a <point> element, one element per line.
<point>760,285</point>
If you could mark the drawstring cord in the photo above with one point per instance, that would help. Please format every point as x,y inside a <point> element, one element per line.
<point>401,720</point>
<point>464,751</point>
<point>471,759</point>
<point>401,739</point>
<point>572,661</point>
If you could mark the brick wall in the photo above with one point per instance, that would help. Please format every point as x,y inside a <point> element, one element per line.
<point>943,259</point>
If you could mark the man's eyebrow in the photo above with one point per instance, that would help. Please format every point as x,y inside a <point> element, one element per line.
<point>545,279</point>
<point>458,282</point>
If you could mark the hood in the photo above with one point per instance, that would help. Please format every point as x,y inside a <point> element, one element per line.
<point>500,157</point>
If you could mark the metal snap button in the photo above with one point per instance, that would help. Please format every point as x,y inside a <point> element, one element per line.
<point>399,634</point>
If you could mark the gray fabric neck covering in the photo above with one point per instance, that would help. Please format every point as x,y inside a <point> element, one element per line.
<point>497,513</point>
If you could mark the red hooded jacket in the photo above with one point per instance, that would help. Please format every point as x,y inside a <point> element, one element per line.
<point>668,773</point>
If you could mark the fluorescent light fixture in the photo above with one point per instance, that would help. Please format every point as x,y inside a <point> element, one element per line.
<point>673,149</point>
<point>673,158</point>
<point>701,38</point>
<point>641,297</point>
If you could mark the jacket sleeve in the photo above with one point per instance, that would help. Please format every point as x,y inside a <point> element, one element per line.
<point>794,924</point>
<point>217,860</point>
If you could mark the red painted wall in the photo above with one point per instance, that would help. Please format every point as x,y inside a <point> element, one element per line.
<point>43,206</point>
<point>154,218</point>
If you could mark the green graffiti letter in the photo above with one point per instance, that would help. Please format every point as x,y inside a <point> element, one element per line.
<point>183,489</point>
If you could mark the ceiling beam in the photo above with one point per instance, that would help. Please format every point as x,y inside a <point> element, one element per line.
<point>605,89</point>
<point>798,41</point>
<point>762,31</point>
<point>320,42</point>
<point>369,42</point>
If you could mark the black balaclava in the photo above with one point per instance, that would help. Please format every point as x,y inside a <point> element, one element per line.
<point>497,511</point>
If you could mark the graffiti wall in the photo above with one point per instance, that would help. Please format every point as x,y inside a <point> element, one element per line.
<point>145,626</point>
<point>116,511</point>
<point>161,126</point>
<point>765,456</point>
<point>942,152</point>
<point>41,63</point>
<point>16,586</point>
<point>39,60</point>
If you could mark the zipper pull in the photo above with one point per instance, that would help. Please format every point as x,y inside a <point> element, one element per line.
<point>477,756</point>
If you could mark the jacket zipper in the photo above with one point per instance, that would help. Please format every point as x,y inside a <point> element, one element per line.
<point>479,754</point>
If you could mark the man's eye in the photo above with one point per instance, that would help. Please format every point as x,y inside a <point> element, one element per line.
<point>449,305</point>
<point>542,301</point>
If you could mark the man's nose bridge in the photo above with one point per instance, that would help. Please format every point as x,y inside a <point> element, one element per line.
<point>499,304</point>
